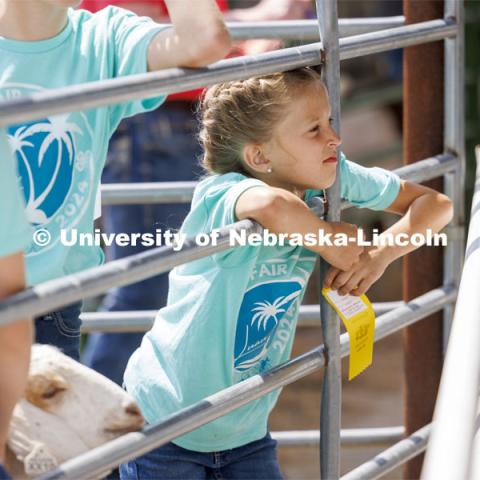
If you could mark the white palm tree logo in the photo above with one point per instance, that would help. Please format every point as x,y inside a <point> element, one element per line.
<point>58,129</point>
<point>17,142</point>
<point>266,310</point>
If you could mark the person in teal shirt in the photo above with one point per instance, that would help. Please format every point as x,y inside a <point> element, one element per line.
<point>16,337</point>
<point>269,147</point>
<point>44,45</point>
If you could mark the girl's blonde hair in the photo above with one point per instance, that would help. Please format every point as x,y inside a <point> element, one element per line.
<point>234,114</point>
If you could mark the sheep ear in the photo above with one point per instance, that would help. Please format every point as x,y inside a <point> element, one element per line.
<point>39,460</point>
<point>42,389</point>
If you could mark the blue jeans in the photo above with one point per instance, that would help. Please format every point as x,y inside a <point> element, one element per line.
<point>61,329</point>
<point>253,461</point>
<point>158,146</point>
<point>4,475</point>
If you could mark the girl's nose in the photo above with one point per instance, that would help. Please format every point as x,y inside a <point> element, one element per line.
<point>335,140</point>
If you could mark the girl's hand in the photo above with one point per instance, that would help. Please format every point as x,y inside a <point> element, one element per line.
<point>363,274</point>
<point>344,257</point>
<point>421,208</point>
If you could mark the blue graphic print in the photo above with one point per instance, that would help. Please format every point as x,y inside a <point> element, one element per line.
<point>45,152</point>
<point>262,308</point>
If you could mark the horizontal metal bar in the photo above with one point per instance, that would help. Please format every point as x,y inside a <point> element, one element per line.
<point>310,314</point>
<point>307,30</point>
<point>357,437</point>
<point>47,296</point>
<point>147,192</point>
<point>98,461</point>
<point>357,26</point>
<point>431,167</point>
<point>392,458</point>
<point>118,322</point>
<point>142,320</point>
<point>134,87</point>
<point>349,437</point>
<point>401,317</point>
<point>182,192</point>
<point>450,450</point>
<point>401,37</point>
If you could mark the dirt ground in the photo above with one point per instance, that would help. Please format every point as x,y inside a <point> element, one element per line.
<point>374,399</point>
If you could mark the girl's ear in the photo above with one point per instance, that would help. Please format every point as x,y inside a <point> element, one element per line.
<point>254,158</point>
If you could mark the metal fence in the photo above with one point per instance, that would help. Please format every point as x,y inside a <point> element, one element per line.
<point>330,51</point>
<point>101,459</point>
<point>53,294</point>
<point>141,321</point>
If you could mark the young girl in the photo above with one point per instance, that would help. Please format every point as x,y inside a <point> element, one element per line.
<point>269,147</point>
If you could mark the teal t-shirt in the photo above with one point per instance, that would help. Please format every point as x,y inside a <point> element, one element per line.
<point>60,158</point>
<point>15,231</point>
<point>233,314</point>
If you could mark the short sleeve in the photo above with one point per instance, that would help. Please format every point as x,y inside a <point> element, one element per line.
<point>220,202</point>
<point>374,188</point>
<point>15,231</point>
<point>129,39</point>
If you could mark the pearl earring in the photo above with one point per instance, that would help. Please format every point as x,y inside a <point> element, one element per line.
<point>269,170</point>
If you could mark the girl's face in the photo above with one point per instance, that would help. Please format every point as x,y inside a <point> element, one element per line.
<point>301,143</point>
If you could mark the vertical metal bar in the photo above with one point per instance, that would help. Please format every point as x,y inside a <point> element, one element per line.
<point>454,136</point>
<point>423,136</point>
<point>331,406</point>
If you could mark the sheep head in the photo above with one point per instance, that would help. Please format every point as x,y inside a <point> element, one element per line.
<point>68,409</point>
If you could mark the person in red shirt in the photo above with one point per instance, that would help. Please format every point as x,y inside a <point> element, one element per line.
<point>164,148</point>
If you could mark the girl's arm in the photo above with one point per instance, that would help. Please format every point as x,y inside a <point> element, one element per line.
<point>422,209</point>
<point>199,36</point>
<point>280,211</point>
